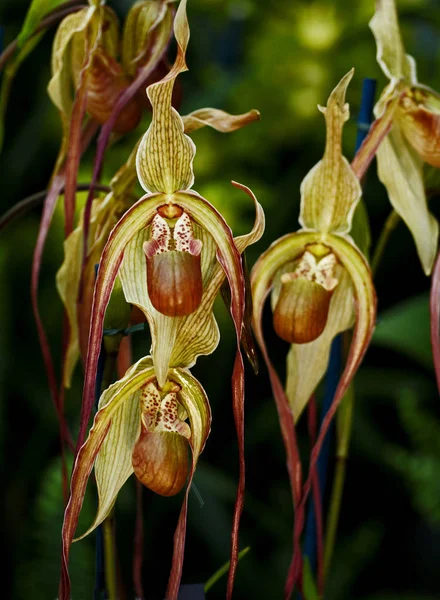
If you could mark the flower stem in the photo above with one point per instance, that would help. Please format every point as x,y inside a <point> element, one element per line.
<point>344,423</point>
<point>110,557</point>
<point>223,570</point>
<point>390,224</point>
<point>27,204</point>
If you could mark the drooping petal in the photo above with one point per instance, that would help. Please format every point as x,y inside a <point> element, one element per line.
<point>262,279</point>
<point>289,248</point>
<point>365,307</point>
<point>113,461</point>
<point>331,190</point>
<point>307,363</point>
<point>435,319</point>
<point>165,155</point>
<point>133,220</point>
<point>139,374</point>
<point>218,119</point>
<point>385,111</point>
<point>391,56</point>
<point>400,169</point>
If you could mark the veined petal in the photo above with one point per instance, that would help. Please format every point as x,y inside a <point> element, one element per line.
<point>165,156</point>
<point>85,459</point>
<point>400,169</point>
<point>113,463</point>
<point>218,119</point>
<point>196,333</point>
<point>133,220</point>
<point>391,56</point>
<point>307,363</point>
<point>331,190</point>
<point>140,26</point>
<point>60,85</point>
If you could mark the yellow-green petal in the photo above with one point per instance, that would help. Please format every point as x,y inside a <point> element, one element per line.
<point>400,169</point>
<point>165,156</point>
<point>218,119</point>
<point>391,56</point>
<point>60,86</point>
<point>113,463</point>
<point>331,190</point>
<point>140,28</point>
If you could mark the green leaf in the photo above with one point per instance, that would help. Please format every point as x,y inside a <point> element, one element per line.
<point>309,587</point>
<point>405,328</point>
<point>35,13</point>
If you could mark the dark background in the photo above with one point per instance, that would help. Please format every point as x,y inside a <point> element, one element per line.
<point>282,58</point>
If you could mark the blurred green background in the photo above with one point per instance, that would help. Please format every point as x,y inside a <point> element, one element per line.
<point>282,58</point>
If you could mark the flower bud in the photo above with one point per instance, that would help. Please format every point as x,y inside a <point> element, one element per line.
<point>106,78</point>
<point>174,275</point>
<point>146,24</point>
<point>160,456</point>
<point>106,83</point>
<point>419,119</point>
<point>303,303</point>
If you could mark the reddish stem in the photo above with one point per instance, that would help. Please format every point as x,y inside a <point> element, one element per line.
<point>312,423</point>
<point>138,558</point>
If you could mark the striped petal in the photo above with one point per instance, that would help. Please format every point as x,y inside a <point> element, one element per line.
<point>331,190</point>
<point>165,156</point>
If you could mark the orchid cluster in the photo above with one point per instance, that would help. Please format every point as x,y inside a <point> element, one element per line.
<point>163,258</point>
<point>170,251</point>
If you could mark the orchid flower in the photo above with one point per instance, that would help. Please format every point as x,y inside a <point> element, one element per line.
<point>413,138</point>
<point>171,250</point>
<point>321,285</point>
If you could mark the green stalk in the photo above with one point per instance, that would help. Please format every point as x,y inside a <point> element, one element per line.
<point>5,90</point>
<point>108,528</point>
<point>108,525</point>
<point>223,570</point>
<point>390,225</point>
<point>344,424</point>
